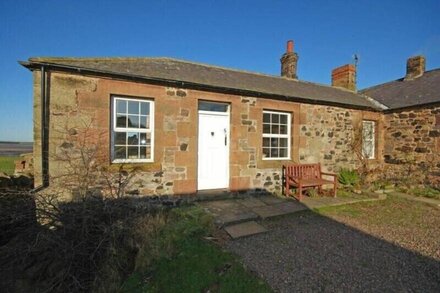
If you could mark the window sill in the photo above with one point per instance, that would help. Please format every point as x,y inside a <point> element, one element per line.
<point>275,159</point>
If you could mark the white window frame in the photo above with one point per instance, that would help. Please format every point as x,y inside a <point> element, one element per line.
<point>288,136</point>
<point>130,129</point>
<point>371,140</point>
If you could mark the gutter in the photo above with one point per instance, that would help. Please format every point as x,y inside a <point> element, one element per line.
<point>412,107</point>
<point>44,130</point>
<point>191,85</point>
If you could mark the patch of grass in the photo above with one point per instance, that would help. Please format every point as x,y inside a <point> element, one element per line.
<point>392,212</point>
<point>179,260</point>
<point>428,192</point>
<point>349,210</point>
<point>7,164</point>
<point>198,267</point>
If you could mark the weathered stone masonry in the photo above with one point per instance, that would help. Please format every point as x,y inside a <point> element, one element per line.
<point>319,133</point>
<point>412,144</point>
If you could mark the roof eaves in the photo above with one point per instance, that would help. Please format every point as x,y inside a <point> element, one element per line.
<point>33,63</point>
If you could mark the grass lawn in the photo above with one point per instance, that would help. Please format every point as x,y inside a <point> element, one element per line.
<point>7,164</point>
<point>195,264</point>
<point>412,225</point>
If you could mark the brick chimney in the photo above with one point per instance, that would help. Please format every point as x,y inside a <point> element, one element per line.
<point>345,77</point>
<point>415,67</point>
<point>289,62</point>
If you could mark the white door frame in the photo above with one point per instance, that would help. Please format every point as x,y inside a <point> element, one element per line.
<point>228,138</point>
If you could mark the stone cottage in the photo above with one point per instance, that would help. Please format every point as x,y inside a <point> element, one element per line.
<point>189,127</point>
<point>411,123</point>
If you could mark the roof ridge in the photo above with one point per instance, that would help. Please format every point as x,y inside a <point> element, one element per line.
<point>398,79</point>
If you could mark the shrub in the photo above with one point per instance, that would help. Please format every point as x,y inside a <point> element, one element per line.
<point>348,177</point>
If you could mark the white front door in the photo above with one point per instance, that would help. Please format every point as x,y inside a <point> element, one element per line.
<point>213,157</point>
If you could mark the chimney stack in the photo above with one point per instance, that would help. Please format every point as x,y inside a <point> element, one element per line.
<point>289,62</point>
<point>415,67</point>
<point>345,77</point>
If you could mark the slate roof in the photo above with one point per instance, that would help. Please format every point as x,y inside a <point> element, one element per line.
<point>407,93</point>
<point>167,69</point>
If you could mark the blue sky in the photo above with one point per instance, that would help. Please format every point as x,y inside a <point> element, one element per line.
<point>249,35</point>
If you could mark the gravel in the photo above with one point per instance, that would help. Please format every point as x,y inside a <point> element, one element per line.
<point>308,252</point>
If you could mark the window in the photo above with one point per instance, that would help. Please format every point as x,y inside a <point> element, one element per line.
<point>368,139</point>
<point>276,135</point>
<point>133,130</point>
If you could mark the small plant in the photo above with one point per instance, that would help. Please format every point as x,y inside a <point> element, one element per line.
<point>348,177</point>
<point>312,192</point>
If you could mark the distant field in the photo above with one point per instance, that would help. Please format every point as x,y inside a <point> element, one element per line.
<point>14,148</point>
<point>7,164</point>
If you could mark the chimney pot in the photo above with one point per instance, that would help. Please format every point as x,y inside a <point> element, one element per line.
<point>415,67</point>
<point>289,46</point>
<point>345,77</point>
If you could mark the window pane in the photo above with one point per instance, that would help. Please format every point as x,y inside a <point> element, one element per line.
<point>143,152</point>
<point>283,153</point>
<point>275,129</point>
<point>121,106</point>
<point>274,142</point>
<point>266,152</point>
<point>143,138</point>
<point>133,152</point>
<point>283,142</point>
<point>121,121</point>
<point>148,152</point>
<point>133,107</point>
<point>143,122</point>
<point>283,129</point>
<point>133,121</point>
<point>148,138</point>
<point>120,138</point>
<point>283,119</point>
<point>120,152</point>
<point>145,108</point>
<point>266,141</point>
<point>266,117</point>
<point>274,153</point>
<point>275,118</point>
<point>132,138</point>
<point>266,128</point>
<point>216,107</point>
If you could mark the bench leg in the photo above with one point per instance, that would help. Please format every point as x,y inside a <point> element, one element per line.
<point>300,189</point>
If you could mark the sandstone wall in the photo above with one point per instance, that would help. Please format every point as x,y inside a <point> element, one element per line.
<point>80,108</point>
<point>412,144</point>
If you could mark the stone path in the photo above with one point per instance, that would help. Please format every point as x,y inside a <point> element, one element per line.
<point>239,216</point>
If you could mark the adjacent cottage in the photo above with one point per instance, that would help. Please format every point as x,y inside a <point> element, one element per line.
<point>189,127</point>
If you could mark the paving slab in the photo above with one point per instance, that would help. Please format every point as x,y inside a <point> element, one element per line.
<point>290,207</point>
<point>272,199</point>
<point>268,211</point>
<point>252,202</point>
<point>227,219</point>
<point>245,229</point>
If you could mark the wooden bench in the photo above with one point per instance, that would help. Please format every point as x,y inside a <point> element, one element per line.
<point>304,176</point>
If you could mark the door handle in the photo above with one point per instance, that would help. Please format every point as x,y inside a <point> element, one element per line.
<point>226,137</point>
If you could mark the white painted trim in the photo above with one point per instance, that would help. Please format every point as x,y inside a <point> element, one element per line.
<point>288,136</point>
<point>114,128</point>
<point>228,137</point>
